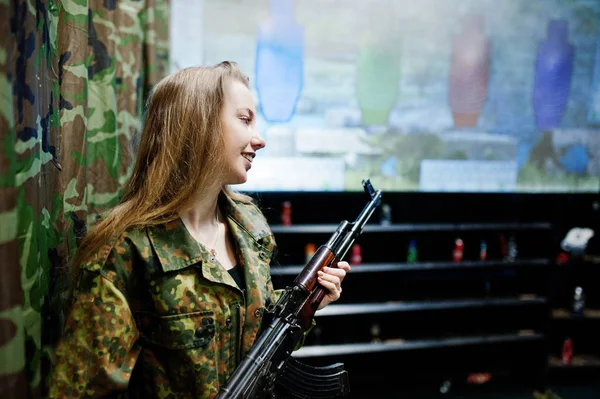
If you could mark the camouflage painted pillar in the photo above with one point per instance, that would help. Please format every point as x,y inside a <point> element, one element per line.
<point>70,60</point>
<point>107,155</point>
<point>128,55</point>
<point>156,42</point>
<point>37,172</point>
<point>13,382</point>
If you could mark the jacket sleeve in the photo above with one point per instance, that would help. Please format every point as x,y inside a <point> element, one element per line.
<point>99,346</point>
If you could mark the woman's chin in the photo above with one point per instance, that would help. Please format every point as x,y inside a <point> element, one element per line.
<point>238,179</point>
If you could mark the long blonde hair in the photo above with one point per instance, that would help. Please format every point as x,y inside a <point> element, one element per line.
<point>180,153</point>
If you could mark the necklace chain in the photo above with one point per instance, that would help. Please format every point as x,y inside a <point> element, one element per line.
<point>212,250</point>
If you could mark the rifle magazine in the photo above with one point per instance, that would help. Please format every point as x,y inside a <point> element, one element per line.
<point>303,381</point>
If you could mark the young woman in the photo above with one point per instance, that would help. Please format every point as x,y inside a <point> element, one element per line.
<point>171,285</point>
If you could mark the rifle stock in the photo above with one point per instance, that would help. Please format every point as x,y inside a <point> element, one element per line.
<point>288,319</point>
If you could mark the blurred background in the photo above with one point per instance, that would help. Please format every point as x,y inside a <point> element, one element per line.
<point>469,95</point>
<point>480,120</point>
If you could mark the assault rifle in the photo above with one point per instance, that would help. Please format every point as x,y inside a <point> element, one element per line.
<point>269,368</point>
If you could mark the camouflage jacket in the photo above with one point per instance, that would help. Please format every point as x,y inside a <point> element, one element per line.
<point>154,317</point>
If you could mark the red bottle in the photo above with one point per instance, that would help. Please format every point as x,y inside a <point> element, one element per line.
<point>286,213</point>
<point>457,254</point>
<point>562,258</point>
<point>356,256</point>
<point>567,351</point>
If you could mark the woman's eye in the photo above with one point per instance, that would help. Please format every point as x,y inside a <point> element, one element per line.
<point>246,120</point>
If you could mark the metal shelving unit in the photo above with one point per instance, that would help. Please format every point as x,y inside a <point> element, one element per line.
<point>293,270</point>
<point>417,227</point>
<point>403,345</point>
<point>362,315</point>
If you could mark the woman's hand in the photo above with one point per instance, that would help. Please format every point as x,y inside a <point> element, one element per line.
<point>331,279</point>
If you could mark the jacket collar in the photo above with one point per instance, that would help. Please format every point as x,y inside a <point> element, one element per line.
<point>177,249</point>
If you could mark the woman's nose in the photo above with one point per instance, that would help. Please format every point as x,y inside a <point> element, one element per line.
<point>257,142</point>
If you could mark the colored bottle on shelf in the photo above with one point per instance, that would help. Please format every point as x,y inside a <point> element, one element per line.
<point>562,258</point>
<point>567,351</point>
<point>309,251</point>
<point>445,387</point>
<point>375,332</point>
<point>286,213</point>
<point>482,250</point>
<point>412,255</point>
<point>356,255</point>
<point>386,215</point>
<point>279,62</point>
<point>578,302</point>
<point>458,252</point>
<point>478,378</point>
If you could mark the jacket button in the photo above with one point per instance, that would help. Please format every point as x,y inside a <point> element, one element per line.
<point>257,313</point>
<point>228,321</point>
<point>262,255</point>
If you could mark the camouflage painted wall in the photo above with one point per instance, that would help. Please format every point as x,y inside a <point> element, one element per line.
<point>73,78</point>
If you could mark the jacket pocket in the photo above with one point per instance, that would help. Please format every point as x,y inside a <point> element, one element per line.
<point>184,331</point>
<point>180,354</point>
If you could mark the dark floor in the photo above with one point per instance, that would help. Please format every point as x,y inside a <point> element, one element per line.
<point>557,392</point>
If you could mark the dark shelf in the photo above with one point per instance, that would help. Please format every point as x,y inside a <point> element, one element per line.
<point>393,267</point>
<point>389,307</point>
<point>401,345</point>
<point>374,228</point>
<point>579,361</point>
<point>564,314</point>
<point>591,259</point>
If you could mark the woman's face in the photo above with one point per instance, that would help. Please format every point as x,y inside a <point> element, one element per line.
<point>242,140</point>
